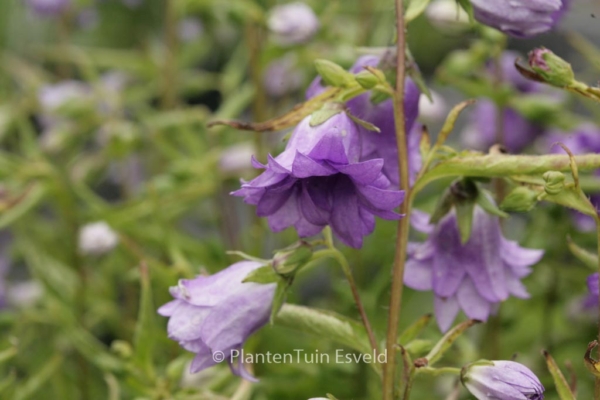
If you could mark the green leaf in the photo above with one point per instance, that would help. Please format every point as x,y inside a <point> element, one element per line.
<point>484,200</point>
<point>414,330</point>
<point>28,202</point>
<point>280,295</point>
<point>464,218</point>
<point>35,383</point>
<point>324,324</point>
<point>444,344</point>
<point>324,114</point>
<point>589,259</point>
<point>562,387</point>
<point>468,7</point>
<point>572,197</point>
<point>262,275</point>
<point>334,75</point>
<point>364,124</point>
<point>414,9</point>
<point>145,329</point>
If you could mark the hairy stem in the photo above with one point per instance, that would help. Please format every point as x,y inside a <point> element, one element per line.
<point>389,369</point>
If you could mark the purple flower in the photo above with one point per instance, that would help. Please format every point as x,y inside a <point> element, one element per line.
<point>319,180</point>
<point>216,314</point>
<point>584,139</point>
<point>293,23</point>
<point>474,277</point>
<point>381,144</point>
<point>591,300</point>
<point>48,8</point>
<point>282,76</point>
<point>190,29</point>
<point>519,18</point>
<point>501,380</point>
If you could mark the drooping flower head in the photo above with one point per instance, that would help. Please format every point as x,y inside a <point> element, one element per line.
<point>381,114</point>
<point>48,8</point>
<point>582,140</point>
<point>293,23</point>
<point>501,380</point>
<point>520,18</point>
<point>216,314</point>
<point>319,180</point>
<point>517,132</point>
<point>474,277</point>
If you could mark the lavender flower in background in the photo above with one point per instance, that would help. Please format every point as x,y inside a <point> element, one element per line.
<point>431,111</point>
<point>591,301</point>
<point>474,277</point>
<point>235,160</point>
<point>318,180</point>
<point>48,8</point>
<point>292,23</point>
<point>382,144</point>
<point>519,18</point>
<point>282,76</point>
<point>97,238</point>
<point>217,313</point>
<point>190,29</point>
<point>501,380</point>
<point>518,132</point>
<point>447,15</point>
<point>53,97</point>
<point>584,139</point>
<point>88,18</point>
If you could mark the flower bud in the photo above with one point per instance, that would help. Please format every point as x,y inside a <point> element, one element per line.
<point>553,69</point>
<point>366,79</point>
<point>333,74</point>
<point>293,23</point>
<point>555,182</point>
<point>289,260</point>
<point>521,199</point>
<point>505,380</point>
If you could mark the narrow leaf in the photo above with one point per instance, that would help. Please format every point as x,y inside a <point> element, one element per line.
<point>589,259</point>
<point>143,341</point>
<point>464,218</point>
<point>562,387</point>
<point>414,329</point>
<point>262,275</point>
<point>444,344</point>
<point>484,200</point>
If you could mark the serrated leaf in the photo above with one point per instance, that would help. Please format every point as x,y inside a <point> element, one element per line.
<point>324,324</point>
<point>262,275</point>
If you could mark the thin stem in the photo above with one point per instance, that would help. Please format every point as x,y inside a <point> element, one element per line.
<point>389,368</point>
<point>169,95</point>
<point>439,371</point>
<point>254,42</point>
<point>597,379</point>
<point>343,262</point>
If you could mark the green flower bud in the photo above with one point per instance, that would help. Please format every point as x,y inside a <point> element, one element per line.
<point>521,199</point>
<point>555,182</point>
<point>553,69</point>
<point>333,74</point>
<point>290,259</point>
<point>366,79</point>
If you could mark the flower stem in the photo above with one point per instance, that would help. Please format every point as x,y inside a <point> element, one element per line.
<point>343,262</point>
<point>389,368</point>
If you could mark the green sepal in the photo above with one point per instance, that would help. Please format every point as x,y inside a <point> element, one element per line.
<point>292,258</point>
<point>560,383</point>
<point>325,113</point>
<point>262,275</point>
<point>468,7</point>
<point>464,219</point>
<point>484,200</point>
<point>283,285</point>
<point>366,79</point>
<point>446,342</point>
<point>520,199</point>
<point>364,124</point>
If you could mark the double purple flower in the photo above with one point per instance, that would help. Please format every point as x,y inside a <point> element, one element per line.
<point>520,18</point>
<point>216,314</point>
<point>319,180</point>
<point>475,276</point>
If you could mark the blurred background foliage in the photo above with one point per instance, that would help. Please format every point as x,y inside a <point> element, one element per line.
<point>103,116</point>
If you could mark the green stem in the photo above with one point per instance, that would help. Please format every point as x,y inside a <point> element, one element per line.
<point>439,371</point>
<point>597,379</point>
<point>343,262</point>
<point>169,95</point>
<point>389,368</point>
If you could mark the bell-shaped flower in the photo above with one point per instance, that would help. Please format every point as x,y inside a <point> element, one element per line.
<point>591,300</point>
<point>319,180</point>
<point>501,380</point>
<point>475,276</point>
<point>292,23</point>
<point>519,18</point>
<point>213,316</point>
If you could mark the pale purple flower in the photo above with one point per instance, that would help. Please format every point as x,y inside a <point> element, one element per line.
<point>582,140</point>
<point>474,277</point>
<point>381,144</point>
<point>216,314</point>
<point>292,23</point>
<point>48,8</point>
<point>519,18</point>
<point>319,180</point>
<point>502,380</point>
<point>282,76</point>
<point>190,29</point>
<point>52,97</point>
<point>591,300</point>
